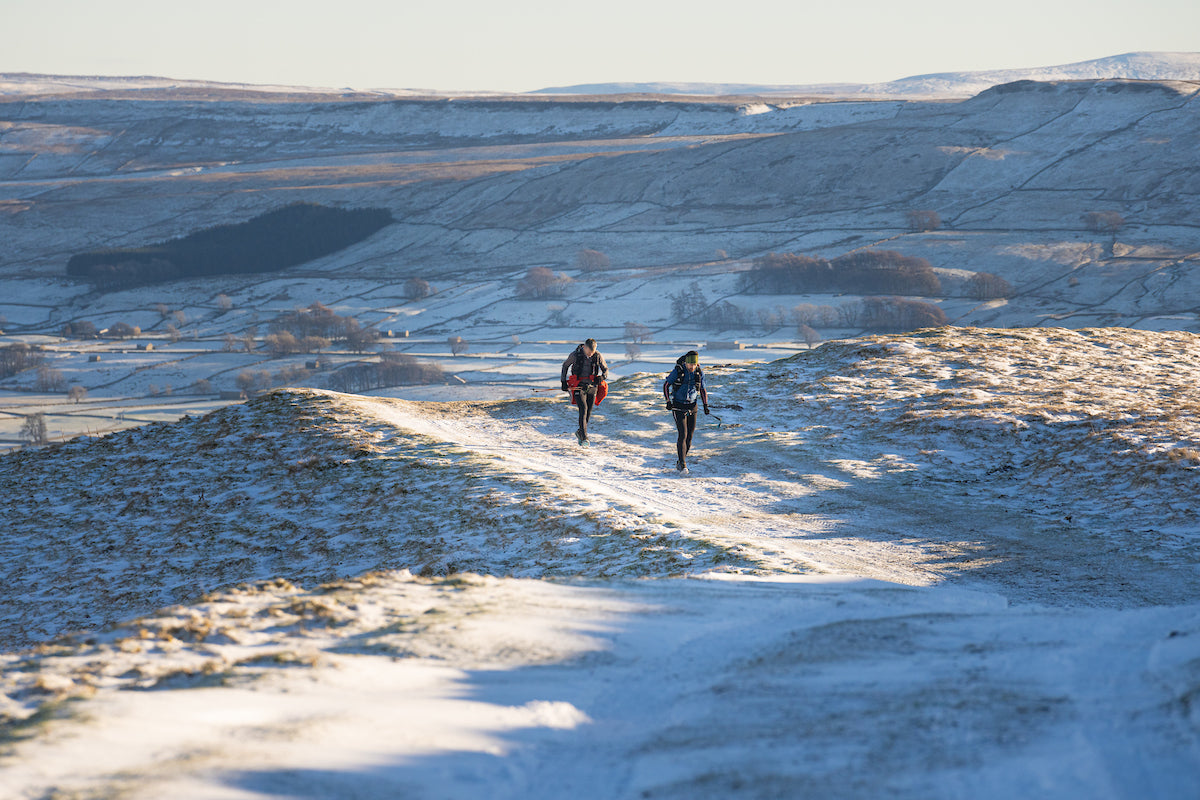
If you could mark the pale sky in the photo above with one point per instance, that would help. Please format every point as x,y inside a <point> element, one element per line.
<point>523,45</point>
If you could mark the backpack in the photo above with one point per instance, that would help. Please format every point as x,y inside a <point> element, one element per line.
<point>583,366</point>
<point>681,372</point>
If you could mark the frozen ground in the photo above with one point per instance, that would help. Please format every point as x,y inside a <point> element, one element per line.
<point>943,564</point>
<point>961,562</point>
<point>672,191</point>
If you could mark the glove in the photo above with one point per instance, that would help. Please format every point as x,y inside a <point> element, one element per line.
<point>706,411</point>
<point>565,388</point>
<point>670,406</point>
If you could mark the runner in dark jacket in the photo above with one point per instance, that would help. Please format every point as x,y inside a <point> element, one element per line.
<point>682,388</point>
<point>585,376</point>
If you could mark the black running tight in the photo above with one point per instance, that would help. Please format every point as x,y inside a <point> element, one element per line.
<point>685,424</point>
<point>585,399</point>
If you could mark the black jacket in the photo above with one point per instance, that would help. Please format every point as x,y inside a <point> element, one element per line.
<point>585,368</point>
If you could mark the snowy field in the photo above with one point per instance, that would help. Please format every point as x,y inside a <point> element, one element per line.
<point>962,562</point>
<point>948,563</point>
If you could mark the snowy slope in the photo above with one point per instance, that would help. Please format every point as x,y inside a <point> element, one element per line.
<point>391,685</point>
<point>1147,66</point>
<point>489,188</point>
<point>1087,434</point>
<point>954,562</point>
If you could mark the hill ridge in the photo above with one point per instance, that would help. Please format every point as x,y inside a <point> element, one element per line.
<point>1088,433</point>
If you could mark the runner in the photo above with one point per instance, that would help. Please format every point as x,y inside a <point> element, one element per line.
<point>585,376</point>
<point>681,389</point>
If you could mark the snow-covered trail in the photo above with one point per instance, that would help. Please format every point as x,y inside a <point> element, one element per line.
<point>740,494</point>
<point>606,637</point>
<point>797,481</point>
<point>677,688</point>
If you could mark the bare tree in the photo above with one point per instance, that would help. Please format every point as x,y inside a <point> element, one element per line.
<point>417,289</point>
<point>49,380</point>
<point>314,344</point>
<point>901,314</point>
<point>250,380</point>
<point>224,303</point>
<point>248,338</point>
<point>636,331</point>
<point>358,338</point>
<point>542,282</point>
<point>827,317</point>
<point>123,330</point>
<point>76,393</point>
<point>633,351</point>
<point>173,334</point>
<point>292,376</point>
<point>458,345</point>
<point>809,335</point>
<point>81,329</point>
<point>924,220</point>
<point>228,343</point>
<point>804,314</point>
<point>986,286</point>
<point>770,319</point>
<point>282,343</point>
<point>850,313</point>
<point>1103,221</point>
<point>591,260</point>
<point>34,429</point>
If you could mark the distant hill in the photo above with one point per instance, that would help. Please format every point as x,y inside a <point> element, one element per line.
<point>1147,66</point>
<point>1130,66</point>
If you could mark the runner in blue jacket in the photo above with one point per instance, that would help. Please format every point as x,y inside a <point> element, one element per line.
<point>682,388</point>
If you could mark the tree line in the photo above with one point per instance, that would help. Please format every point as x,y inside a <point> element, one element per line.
<point>19,357</point>
<point>392,369</point>
<point>318,324</point>
<point>863,272</point>
<point>273,241</point>
<point>888,313</point>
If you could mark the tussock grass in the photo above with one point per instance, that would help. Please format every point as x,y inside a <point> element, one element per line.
<point>297,485</point>
<point>1087,419</point>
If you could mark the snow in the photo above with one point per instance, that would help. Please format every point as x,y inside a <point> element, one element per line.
<point>1146,66</point>
<point>682,690</point>
<point>939,564</point>
<point>911,565</point>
